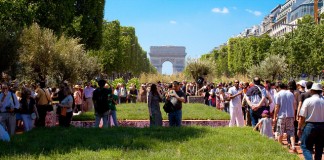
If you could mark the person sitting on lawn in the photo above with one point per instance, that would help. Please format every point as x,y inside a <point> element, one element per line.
<point>265,125</point>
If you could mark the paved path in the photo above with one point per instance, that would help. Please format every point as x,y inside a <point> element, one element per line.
<point>299,151</point>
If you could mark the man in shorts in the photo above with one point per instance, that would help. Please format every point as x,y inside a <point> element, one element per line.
<point>284,114</point>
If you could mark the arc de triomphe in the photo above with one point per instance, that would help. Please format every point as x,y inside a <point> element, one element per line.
<point>174,54</point>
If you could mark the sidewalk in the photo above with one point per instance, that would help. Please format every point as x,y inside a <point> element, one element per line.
<point>299,150</point>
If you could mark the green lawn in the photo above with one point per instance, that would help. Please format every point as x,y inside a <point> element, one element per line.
<point>143,143</point>
<point>139,111</point>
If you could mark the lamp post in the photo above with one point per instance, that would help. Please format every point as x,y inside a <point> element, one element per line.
<point>292,28</point>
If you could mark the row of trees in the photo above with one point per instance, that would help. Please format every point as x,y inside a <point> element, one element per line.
<point>298,52</point>
<point>66,40</point>
<point>121,52</point>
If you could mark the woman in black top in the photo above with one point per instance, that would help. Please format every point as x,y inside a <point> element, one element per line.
<point>28,110</point>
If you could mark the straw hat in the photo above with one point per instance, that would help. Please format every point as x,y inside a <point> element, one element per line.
<point>77,86</point>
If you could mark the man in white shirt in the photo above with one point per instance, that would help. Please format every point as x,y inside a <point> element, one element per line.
<point>8,103</point>
<point>235,105</point>
<point>312,112</point>
<point>87,94</point>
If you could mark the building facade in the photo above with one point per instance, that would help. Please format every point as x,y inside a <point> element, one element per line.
<point>283,18</point>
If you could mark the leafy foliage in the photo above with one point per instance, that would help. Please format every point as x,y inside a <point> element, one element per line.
<point>302,51</point>
<point>134,81</point>
<point>270,68</point>
<point>196,67</point>
<point>117,81</point>
<point>43,56</point>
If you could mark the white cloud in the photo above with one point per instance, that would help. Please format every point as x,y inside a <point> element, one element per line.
<point>173,22</point>
<point>220,10</point>
<point>256,13</point>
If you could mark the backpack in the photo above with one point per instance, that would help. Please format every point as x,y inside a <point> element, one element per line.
<point>100,97</point>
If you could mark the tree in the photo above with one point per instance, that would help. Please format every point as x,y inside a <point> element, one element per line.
<point>195,68</point>
<point>91,13</point>
<point>14,16</point>
<point>272,67</point>
<point>44,56</point>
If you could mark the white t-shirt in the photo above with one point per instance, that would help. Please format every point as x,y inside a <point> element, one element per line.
<point>235,102</point>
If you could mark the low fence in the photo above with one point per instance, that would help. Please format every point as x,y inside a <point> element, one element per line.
<point>146,123</point>
<point>195,99</point>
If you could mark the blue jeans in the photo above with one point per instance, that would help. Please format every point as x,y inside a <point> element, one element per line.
<point>114,117</point>
<point>256,115</point>
<point>313,134</point>
<point>104,117</point>
<point>175,118</point>
<point>28,121</point>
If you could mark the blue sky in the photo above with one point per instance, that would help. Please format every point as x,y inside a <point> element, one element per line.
<point>199,25</point>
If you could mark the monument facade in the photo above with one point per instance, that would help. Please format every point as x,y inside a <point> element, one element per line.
<point>174,54</point>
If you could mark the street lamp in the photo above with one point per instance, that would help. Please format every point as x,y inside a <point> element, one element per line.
<point>292,28</point>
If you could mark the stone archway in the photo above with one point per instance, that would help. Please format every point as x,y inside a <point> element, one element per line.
<point>174,54</point>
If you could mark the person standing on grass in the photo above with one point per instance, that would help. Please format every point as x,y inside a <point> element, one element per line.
<point>66,105</point>
<point>245,106</point>
<point>27,108</point>
<point>312,133</point>
<point>235,105</point>
<point>112,102</point>
<point>87,95</point>
<point>176,96</point>
<point>8,104</point>
<point>154,98</point>
<point>43,98</point>
<point>77,98</point>
<point>255,97</point>
<point>123,93</point>
<point>284,114</point>
<point>100,100</point>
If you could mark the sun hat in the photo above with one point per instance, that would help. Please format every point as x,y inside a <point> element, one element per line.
<point>77,86</point>
<point>302,83</point>
<point>316,87</point>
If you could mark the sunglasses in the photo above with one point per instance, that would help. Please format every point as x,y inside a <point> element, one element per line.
<point>4,88</point>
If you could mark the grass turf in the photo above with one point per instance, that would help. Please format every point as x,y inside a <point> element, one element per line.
<point>143,143</point>
<point>139,111</point>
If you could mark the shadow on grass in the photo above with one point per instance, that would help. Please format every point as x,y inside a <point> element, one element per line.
<point>46,141</point>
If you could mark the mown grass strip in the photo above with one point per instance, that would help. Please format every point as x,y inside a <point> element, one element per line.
<point>139,111</point>
<point>143,143</point>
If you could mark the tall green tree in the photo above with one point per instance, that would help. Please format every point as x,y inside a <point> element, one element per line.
<point>14,16</point>
<point>91,24</point>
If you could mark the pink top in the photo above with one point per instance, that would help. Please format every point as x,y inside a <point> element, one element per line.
<point>77,97</point>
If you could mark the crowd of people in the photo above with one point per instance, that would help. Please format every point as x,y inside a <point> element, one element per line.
<point>274,109</point>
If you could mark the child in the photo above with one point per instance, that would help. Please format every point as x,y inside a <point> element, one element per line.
<point>265,125</point>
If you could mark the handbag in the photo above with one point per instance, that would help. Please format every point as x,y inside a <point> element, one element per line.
<point>49,106</point>
<point>168,106</point>
<point>63,111</point>
<point>33,116</point>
